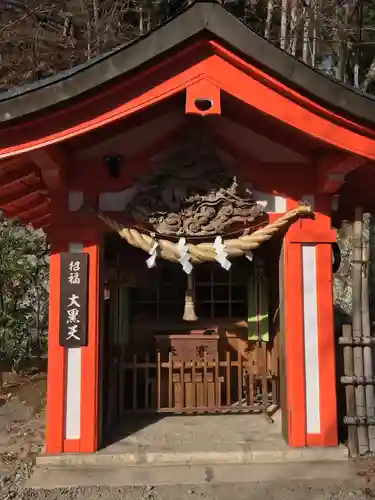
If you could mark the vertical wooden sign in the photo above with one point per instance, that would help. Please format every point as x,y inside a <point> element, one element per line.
<point>73,299</point>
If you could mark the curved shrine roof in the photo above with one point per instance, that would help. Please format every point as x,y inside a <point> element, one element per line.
<point>30,121</point>
<point>199,19</point>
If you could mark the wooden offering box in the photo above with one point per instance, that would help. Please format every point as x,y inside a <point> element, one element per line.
<point>193,381</point>
<point>188,347</point>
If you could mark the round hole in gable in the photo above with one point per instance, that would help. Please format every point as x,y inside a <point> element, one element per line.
<point>203,104</point>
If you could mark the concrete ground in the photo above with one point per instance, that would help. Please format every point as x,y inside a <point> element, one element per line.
<point>184,474</point>
<point>285,490</point>
<point>200,433</point>
<point>192,450</point>
<point>245,478</point>
<point>198,439</point>
<point>263,482</point>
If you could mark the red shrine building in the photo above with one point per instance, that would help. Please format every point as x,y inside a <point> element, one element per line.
<point>188,184</point>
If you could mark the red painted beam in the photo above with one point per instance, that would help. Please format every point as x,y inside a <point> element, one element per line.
<point>52,162</point>
<point>31,213</point>
<point>28,205</point>
<point>332,169</point>
<point>21,195</point>
<point>16,176</point>
<point>41,222</point>
<point>12,164</point>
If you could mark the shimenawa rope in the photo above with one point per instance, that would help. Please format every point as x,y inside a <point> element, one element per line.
<point>204,252</point>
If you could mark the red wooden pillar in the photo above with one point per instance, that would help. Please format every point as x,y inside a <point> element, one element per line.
<point>72,391</point>
<point>56,360</point>
<point>309,405</point>
<point>90,354</point>
<point>326,348</point>
<point>293,402</point>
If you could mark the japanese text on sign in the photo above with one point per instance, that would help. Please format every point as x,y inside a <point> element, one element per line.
<point>73,328</point>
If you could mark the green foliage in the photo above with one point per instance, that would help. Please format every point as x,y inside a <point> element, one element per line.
<point>23,291</point>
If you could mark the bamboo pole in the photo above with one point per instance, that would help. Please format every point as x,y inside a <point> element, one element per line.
<point>366,329</point>
<point>350,392</point>
<point>357,329</point>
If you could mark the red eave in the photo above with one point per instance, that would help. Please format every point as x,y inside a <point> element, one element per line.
<point>205,60</point>
<point>22,192</point>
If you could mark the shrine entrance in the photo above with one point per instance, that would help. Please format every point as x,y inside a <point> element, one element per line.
<point>157,361</point>
<point>191,277</point>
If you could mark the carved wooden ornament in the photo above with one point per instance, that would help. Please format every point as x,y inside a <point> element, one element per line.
<point>197,196</point>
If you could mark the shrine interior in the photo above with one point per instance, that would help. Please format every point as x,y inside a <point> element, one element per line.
<point>164,355</point>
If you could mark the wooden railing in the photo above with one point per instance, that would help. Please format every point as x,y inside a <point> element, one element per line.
<point>197,386</point>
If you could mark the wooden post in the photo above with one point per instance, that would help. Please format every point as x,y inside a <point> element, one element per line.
<point>294,405</point>
<point>309,346</point>
<point>89,440</point>
<point>357,329</point>
<point>56,361</point>
<point>350,392</point>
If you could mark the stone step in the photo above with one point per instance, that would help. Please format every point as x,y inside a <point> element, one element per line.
<point>239,456</point>
<point>64,476</point>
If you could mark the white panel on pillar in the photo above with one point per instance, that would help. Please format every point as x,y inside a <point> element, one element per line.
<point>311,352</point>
<point>73,393</point>
<point>280,204</point>
<point>73,381</point>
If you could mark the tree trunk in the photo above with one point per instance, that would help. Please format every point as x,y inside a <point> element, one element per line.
<point>284,23</point>
<point>270,9</point>
<point>306,33</point>
<point>247,10</point>
<point>88,30</point>
<point>293,27</point>
<point>95,11</point>
<point>316,22</point>
<point>370,76</point>
<point>359,44</point>
<point>141,21</point>
<point>338,43</point>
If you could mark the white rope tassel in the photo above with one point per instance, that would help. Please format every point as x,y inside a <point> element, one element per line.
<point>151,261</point>
<point>184,259</point>
<point>221,253</point>
<point>249,255</point>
